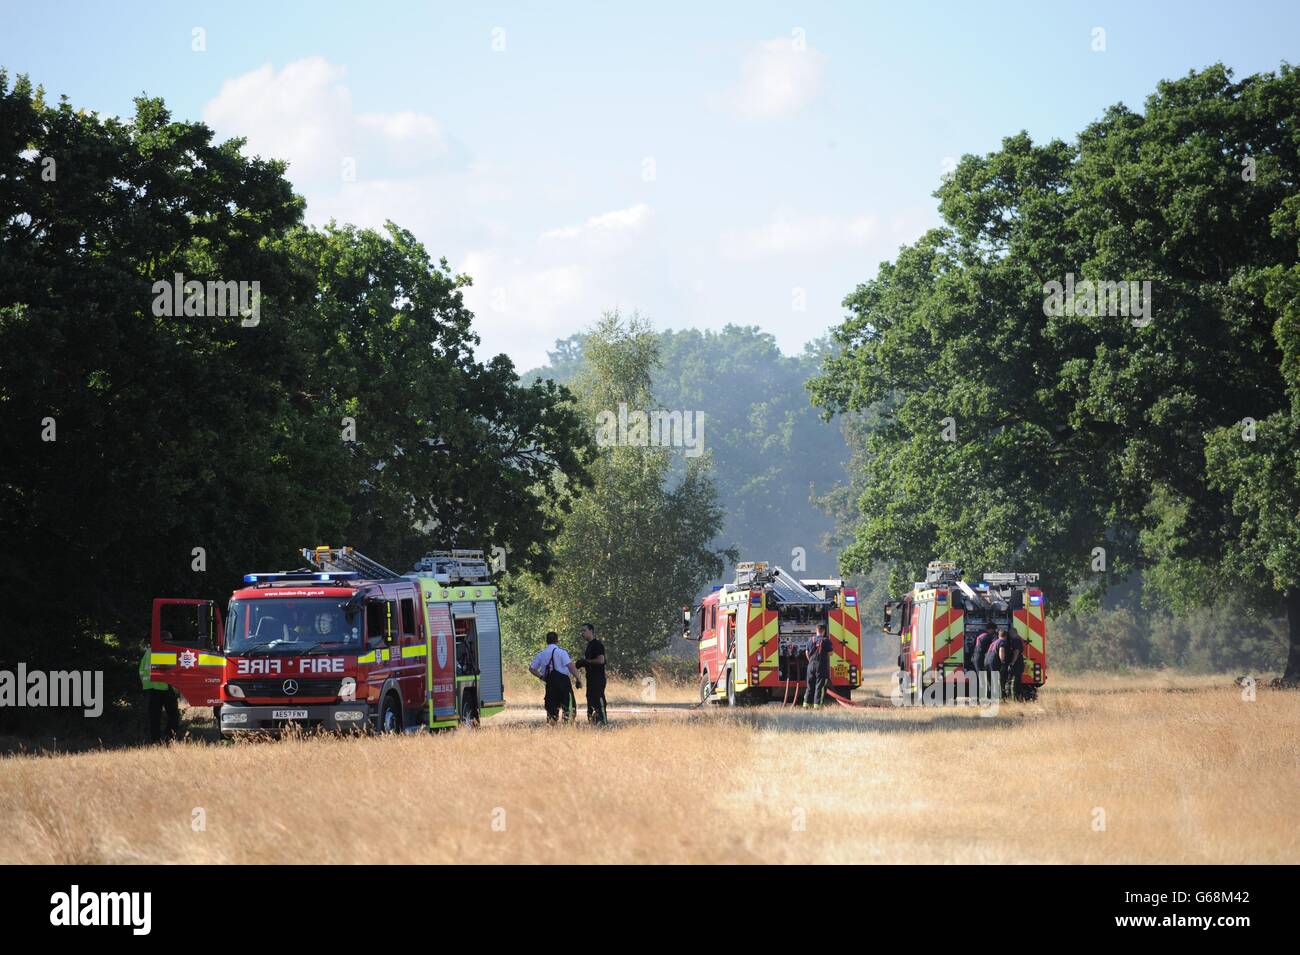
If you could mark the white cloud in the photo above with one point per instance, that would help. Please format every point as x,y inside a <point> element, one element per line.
<point>304,114</point>
<point>522,306</point>
<point>631,219</point>
<point>785,235</point>
<point>778,78</point>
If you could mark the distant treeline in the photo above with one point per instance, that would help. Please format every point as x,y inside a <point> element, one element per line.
<point>772,455</point>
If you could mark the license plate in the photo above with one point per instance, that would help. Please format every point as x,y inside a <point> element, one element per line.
<point>288,714</point>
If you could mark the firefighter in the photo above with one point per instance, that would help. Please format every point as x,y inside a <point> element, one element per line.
<point>982,644</point>
<point>159,696</point>
<point>593,661</point>
<point>992,669</point>
<point>553,667</point>
<point>1011,662</point>
<point>818,654</point>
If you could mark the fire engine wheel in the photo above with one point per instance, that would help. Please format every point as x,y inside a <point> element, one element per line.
<point>731,687</point>
<point>469,717</point>
<point>390,718</point>
<point>705,687</point>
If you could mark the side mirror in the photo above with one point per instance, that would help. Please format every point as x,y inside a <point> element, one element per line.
<point>686,624</point>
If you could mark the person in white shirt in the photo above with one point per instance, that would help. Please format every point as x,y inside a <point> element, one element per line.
<point>553,667</point>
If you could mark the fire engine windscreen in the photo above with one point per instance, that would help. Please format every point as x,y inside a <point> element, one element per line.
<point>293,625</point>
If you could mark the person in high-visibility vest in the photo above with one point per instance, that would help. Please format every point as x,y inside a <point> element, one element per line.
<point>160,697</point>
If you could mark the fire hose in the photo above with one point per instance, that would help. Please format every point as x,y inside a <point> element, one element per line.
<point>841,700</point>
<point>710,690</point>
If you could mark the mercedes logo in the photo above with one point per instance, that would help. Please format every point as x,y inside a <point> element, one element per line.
<point>290,687</point>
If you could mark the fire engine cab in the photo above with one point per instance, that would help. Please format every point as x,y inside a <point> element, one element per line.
<point>940,618</point>
<point>752,635</point>
<point>345,644</point>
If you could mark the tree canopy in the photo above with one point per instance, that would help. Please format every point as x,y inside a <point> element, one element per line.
<point>1087,442</point>
<point>772,455</point>
<point>639,543</point>
<point>153,452</point>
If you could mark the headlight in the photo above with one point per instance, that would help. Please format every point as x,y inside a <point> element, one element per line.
<point>234,691</point>
<point>236,717</point>
<point>348,690</point>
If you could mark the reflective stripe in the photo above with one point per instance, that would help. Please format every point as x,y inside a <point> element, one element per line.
<point>466,679</point>
<point>439,724</point>
<point>409,652</point>
<point>211,660</point>
<point>765,633</point>
<point>711,642</point>
<point>162,659</point>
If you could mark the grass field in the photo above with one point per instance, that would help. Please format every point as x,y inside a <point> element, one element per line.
<point>1153,768</point>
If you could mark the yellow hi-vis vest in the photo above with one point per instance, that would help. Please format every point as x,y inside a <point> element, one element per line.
<point>145,674</point>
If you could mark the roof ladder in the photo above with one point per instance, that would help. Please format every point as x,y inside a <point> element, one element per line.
<point>345,558</point>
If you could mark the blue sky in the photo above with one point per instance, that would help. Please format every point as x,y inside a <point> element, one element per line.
<point>735,162</point>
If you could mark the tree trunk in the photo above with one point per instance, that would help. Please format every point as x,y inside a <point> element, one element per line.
<point>1292,674</point>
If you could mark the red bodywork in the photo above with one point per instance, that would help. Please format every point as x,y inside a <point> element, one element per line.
<point>748,622</point>
<point>935,633</point>
<point>202,673</point>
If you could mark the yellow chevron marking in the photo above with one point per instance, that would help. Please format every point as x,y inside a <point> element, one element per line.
<point>765,634</point>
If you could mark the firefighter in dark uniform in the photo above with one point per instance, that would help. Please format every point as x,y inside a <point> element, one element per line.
<point>992,668</point>
<point>593,661</point>
<point>553,667</point>
<point>1011,663</point>
<point>160,697</point>
<point>982,644</point>
<point>819,667</point>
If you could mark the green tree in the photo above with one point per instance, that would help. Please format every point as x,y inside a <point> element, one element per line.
<point>769,446</point>
<point>131,438</point>
<point>442,449</point>
<point>637,545</point>
<point>1042,440</point>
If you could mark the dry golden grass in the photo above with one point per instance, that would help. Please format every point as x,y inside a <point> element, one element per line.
<point>1184,769</point>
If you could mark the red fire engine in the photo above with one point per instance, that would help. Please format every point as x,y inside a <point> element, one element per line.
<point>752,635</point>
<point>942,615</point>
<point>344,645</point>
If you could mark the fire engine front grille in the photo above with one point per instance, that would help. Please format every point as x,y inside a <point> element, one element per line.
<point>275,688</point>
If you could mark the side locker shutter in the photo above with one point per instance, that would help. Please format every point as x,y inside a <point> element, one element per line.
<point>489,651</point>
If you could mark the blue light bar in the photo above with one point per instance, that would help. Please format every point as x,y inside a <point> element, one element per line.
<point>320,577</point>
<point>850,598</point>
<point>1035,599</point>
